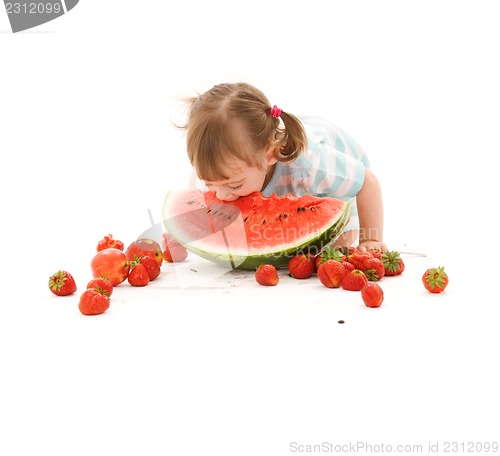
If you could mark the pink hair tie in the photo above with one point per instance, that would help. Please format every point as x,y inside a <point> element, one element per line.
<point>275,111</point>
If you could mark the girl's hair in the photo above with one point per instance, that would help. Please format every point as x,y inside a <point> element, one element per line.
<point>234,121</point>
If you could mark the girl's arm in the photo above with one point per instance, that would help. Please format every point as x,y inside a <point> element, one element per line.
<point>371,214</point>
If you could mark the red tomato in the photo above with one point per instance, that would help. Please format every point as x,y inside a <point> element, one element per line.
<point>111,263</point>
<point>143,247</point>
<point>173,252</point>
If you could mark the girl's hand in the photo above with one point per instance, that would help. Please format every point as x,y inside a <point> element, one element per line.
<point>372,245</point>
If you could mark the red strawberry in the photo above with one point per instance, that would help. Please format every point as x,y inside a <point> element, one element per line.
<point>266,274</point>
<point>393,263</point>
<point>318,260</point>
<point>151,265</point>
<point>138,276</point>
<point>102,285</point>
<point>374,269</point>
<point>92,302</point>
<point>331,273</point>
<point>358,259</point>
<point>301,266</point>
<point>354,280</point>
<point>347,250</point>
<point>348,266</point>
<point>173,251</point>
<point>109,243</point>
<point>435,280</point>
<point>372,294</point>
<point>329,253</point>
<point>377,253</point>
<point>62,283</point>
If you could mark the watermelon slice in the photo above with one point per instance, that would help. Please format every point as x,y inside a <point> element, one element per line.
<point>254,229</point>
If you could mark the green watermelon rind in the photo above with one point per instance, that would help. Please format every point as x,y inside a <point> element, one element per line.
<point>278,258</point>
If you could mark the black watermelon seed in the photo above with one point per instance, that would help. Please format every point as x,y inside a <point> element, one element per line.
<point>341,322</point>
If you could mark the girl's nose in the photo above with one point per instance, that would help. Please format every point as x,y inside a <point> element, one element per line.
<point>223,194</point>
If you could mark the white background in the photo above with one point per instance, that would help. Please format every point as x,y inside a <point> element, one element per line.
<point>88,147</point>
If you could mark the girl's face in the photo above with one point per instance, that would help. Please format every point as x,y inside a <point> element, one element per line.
<point>244,179</point>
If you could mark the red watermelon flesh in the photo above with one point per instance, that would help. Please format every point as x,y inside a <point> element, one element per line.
<point>253,229</point>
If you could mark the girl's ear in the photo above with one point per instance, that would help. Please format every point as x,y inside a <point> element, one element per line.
<point>270,152</point>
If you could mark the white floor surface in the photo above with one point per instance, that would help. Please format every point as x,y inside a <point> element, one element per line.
<point>190,365</point>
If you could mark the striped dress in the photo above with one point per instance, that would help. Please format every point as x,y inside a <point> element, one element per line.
<point>332,165</point>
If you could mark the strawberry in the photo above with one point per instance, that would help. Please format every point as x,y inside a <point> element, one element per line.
<point>347,250</point>
<point>393,263</point>
<point>377,253</point>
<point>435,280</point>
<point>348,266</point>
<point>173,251</point>
<point>109,243</point>
<point>372,294</point>
<point>329,253</point>
<point>92,302</point>
<point>151,265</point>
<point>354,280</point>
<point>102,285</point>
<point>138,275</point>
<point>266,274</point>
<point>373,269</point>
<point>358,259</point>
<point>62,283</point>
<point>301,266</point>
<point>331,273</point>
